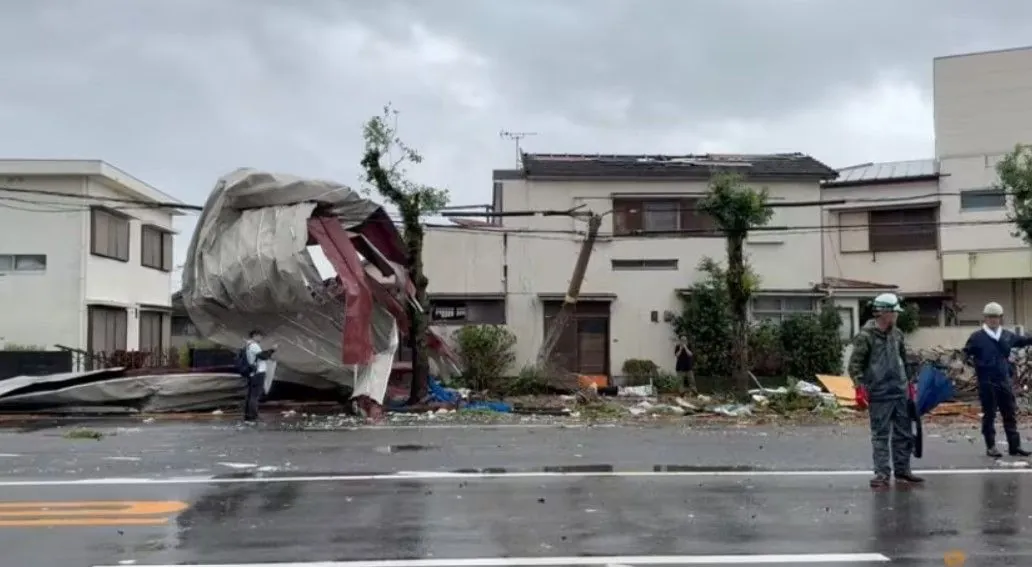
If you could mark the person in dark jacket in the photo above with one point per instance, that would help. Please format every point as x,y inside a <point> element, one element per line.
<point>988,350</point>
<point>879,371</point>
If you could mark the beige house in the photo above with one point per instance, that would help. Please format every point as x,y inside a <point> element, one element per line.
<point>936,228</point>
<point>651,242</point>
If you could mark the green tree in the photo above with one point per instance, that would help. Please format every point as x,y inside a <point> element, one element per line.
<point>737,208</point>
<point>1015,173</point>
<point>386,163</point>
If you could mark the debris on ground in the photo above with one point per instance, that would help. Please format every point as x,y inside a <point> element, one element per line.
<point>83,433</point>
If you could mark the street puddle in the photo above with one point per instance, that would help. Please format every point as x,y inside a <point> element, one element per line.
<point>392,449</point>
<point>704,468</point>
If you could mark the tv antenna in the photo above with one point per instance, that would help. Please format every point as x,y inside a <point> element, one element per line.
<point>516,137</point>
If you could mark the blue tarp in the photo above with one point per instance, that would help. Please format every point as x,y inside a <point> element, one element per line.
<point>933,388</point>
<point>442,395</point>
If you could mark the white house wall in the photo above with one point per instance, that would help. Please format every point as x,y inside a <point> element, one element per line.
<point>961,230</point>
<point>43,308</point>
<point>981,102</point>
<point>127,284</point>
<point>471,261</point>
<point>846,252</point>
<point>461,261</point>
<point>766,249</point>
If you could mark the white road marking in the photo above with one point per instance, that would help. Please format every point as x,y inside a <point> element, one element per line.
<point>430,476</point>
<point>635,560</point>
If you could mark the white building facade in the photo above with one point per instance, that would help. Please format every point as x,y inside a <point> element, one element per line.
<point>936,230</point>
<point>651,243</point>
<point>85,257</point>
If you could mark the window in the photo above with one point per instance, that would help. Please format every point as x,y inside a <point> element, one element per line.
<point>467,311</point>
<point>23,263</point>
<point>634,265</point>
<point>846,325</point>
<point>661,217</point>
<point>107,329</point>
<point>776,309</point>
<point>983,200</point>
<point>182,326</point>
<point>156,248</point>
<point>928,310</point>
<point>152,331</point>
<point>109,234</point>
<point>903,229</point>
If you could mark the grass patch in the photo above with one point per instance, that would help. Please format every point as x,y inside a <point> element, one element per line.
<point>83,433</point>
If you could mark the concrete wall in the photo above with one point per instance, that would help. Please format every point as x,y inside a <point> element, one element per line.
<point>45,307</point>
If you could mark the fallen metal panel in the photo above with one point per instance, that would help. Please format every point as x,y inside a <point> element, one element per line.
<point>154,393</point>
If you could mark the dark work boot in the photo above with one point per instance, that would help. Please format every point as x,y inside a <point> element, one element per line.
<point>909,478</point>
<point>993,453</point>
<point>1019,452</point>
<point>880,481</point>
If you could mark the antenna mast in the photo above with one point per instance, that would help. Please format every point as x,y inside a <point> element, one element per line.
<point>516,137</point>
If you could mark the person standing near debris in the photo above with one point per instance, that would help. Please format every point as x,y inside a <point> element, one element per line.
<point>257,361</point>
<point>988,350</point>
<point>879,372</point>
<point>685,364</point>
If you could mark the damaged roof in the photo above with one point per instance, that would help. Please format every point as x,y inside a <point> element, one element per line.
<point>886,172</point>
<point>690,166</point>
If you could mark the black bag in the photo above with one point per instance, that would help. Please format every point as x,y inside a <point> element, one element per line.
<point>243,368</point>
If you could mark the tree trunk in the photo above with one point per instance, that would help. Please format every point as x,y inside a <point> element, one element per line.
<point>739,297</point>
<point>420,319</point>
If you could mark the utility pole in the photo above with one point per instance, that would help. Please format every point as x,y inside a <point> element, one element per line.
<point>516,137</point>
<point>562,320</point>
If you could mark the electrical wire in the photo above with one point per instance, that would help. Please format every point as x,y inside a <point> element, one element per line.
<point>80,203</point>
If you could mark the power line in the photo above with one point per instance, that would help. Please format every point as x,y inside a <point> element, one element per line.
<point>69,205</point>
<point>96,198</point>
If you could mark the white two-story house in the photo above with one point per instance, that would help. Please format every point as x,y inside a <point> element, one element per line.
<point>85,257</point>
<point>936,230</point>
<point>652,240</point>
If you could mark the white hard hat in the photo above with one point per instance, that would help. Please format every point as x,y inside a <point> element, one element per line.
<point>993,309</point>
<point>886,302</point>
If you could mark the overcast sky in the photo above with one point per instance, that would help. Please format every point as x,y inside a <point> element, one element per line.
<point>179,92</point>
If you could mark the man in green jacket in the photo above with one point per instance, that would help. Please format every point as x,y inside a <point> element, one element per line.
<point>879,371</point>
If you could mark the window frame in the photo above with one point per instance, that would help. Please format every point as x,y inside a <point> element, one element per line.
<point>895,232</point>
<point>461,310</point>
<point>165,247</point>
<point>101,215</point>
<point>643,264</point>
<point>13,263</point>
<point>146,318</point>
<point>630,218</point>
<point>778,315</point>
<point>981,193</point>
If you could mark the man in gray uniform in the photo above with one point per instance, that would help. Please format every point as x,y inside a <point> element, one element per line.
<point>879,371</point>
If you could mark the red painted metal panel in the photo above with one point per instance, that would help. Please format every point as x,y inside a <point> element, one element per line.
<point>357,341</point>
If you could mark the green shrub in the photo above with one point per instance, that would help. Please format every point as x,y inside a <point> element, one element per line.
<point>810,343</point>
<point>531,381</point>
<point>802,345</point>
<point>485,354</point>
<point>667,383</point>
<point>639,368</point>
<point>765,356</point>
<point>705,320</point>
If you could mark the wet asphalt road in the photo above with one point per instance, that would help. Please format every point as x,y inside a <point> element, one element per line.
<point>215,495</point>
